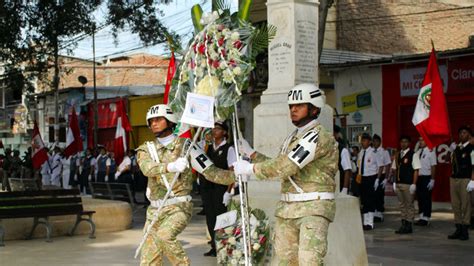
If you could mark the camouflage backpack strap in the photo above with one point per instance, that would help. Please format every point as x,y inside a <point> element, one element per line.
<point>154,156</point>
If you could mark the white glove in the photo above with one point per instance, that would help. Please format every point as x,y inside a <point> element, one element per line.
<point>117,174</point>
<point>245,148</point>
<point>394,187</point>
<point>243,168</point>
<point>384,182</point>
<point>344,191</point>
<point>177,166</point>
<point>431,184</point>
<point>376,184</point>
<point>227,197</point>
<point>470,186</point>
<point>89,177</point>
<point>412,189</point>
<point>106,178</point>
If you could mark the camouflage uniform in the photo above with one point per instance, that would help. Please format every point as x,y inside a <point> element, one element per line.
<point>172,218</point>
<point>301,228</point>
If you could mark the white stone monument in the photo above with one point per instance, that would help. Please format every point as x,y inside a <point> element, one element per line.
<point>293,59</point>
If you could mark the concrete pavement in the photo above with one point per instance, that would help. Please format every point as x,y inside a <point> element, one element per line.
<point>426,246</point>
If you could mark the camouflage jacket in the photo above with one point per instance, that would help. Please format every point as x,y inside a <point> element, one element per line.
<point>155,171</point>
<point>316,176</point>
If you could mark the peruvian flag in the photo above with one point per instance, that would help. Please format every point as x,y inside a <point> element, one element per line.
<point>123,126</point>
<point>73,137</point>
<point>182,130</point>
<point>39,154</point>
<point>431,115</point>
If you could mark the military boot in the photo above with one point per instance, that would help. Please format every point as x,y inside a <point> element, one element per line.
<point>464,232</point>
<point>456,233</point>
<point>402,227</point>
<point>408,228</point>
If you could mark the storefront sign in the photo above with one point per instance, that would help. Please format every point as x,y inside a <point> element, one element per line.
<point>461,76</point>
<point>356,101</point>
<point>411,79</point>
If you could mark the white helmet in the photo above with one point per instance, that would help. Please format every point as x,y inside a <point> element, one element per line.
<point>161,110</point>
<point>307,93</point>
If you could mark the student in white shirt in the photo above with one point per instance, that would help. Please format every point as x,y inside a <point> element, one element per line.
<point>425,183</point>
<point>384,164</point>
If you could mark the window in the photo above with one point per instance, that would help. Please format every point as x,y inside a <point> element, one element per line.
<point>355,133</point>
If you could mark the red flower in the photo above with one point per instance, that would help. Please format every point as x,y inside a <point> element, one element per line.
<point>238,44</point>
<point>224,241</point>
<point>202,49</point>
<point>232,63</point>
<point>215,63</point>
<point>223,52</point>
<point>221,41</point>
<point>229,251</point>
<point>192,65</point>
<point>262,240</point>
<point>237,231</point>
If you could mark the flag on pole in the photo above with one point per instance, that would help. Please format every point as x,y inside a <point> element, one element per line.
<point>169,78</point>
<point>431,115</point>
<point>73,137</point>
<point>123,126</point>
<point>39,154</point>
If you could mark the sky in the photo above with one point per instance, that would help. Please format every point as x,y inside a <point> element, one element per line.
<point>177,18</point>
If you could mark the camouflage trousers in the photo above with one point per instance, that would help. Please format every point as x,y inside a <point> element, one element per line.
<point>300,241</point>
<point>162,239</point>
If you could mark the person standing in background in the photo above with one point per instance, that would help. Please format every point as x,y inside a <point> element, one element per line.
<point>66,171</point>
<point>111,165</point>
<point>384,165</point>
<point>426,182</point>
<point>344,163</point>
<point>101,163</point>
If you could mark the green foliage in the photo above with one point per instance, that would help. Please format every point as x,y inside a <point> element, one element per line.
<point>32,32</point>
<point>261,37</point>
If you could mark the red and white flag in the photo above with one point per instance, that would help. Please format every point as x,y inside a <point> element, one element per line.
<point>73,137</point>
<point>39,154</point>
<point>123,126</point>
<point>431,114</point>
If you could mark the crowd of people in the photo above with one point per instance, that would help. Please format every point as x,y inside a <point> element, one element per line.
<point>411,169</point>
<point>92,165</point>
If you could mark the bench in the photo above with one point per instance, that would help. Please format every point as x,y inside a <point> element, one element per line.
<point>112,191</point>
<point>42,204</point>
<point>23,184</point>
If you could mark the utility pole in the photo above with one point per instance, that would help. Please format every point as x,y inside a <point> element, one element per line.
<point>96,109</point>
<point>56,78</point>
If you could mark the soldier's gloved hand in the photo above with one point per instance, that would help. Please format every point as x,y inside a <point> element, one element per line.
<point>177,166</point>
<point>344,191</point>
<point>394,187</point>
<point>243,168</point>
<point>412,189</point>
<point>470,186</point>
<point>376,184</point>
<point>227,197</point>
<point>117,174</point>
<point>430,185</point>
<point>384,182</point>
<point>245,148</point>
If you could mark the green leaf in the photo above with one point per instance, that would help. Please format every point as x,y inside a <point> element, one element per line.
<point>196,14</point>
<point>221,5</point>
<point>261,37</point>
<point>244,9</point>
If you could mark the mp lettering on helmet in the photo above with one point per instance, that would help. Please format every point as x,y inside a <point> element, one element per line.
<point>199,160</point>
<point>305,150</point>
<point>154,109</point>
<point>315,94</point>
<point>295,95</point>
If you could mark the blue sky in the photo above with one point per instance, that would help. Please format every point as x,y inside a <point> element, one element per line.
<point>177,18</point>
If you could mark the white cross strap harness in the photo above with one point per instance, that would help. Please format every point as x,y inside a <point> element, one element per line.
<point>291,197</point>
<point>154,156</point>
<point>170,201</point>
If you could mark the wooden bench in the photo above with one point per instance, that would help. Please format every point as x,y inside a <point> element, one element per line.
<point>23,184</point>
<point>112,191</point>
<point>42,204</point>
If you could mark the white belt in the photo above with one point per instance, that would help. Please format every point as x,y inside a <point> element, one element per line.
<point>170,201</point>
<point>290,197</point>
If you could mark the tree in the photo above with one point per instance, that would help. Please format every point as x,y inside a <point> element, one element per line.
<point>33,32</point>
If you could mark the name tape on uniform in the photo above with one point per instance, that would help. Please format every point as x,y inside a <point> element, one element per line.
<point>305,150</point>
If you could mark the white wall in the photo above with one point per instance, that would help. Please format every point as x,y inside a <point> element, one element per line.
<point>358,79</point>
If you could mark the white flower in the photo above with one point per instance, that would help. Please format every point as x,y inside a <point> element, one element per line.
<point>208,86</point>
<point>199,72</point>
<point>235,36</point>
<point>229,230</point>
<point>254,235</point>
<point>237,71</point>
<point>227,76</point>
<point>256,246</point>
<point>226,32</point>
<point>237,254</point>
<point>232,240</point>
<point>233,262</point>
<point>203,63</point>
<point>222,65</point>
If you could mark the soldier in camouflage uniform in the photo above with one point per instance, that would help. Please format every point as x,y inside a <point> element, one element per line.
<point>307,165</point>
<point>159,160</point>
